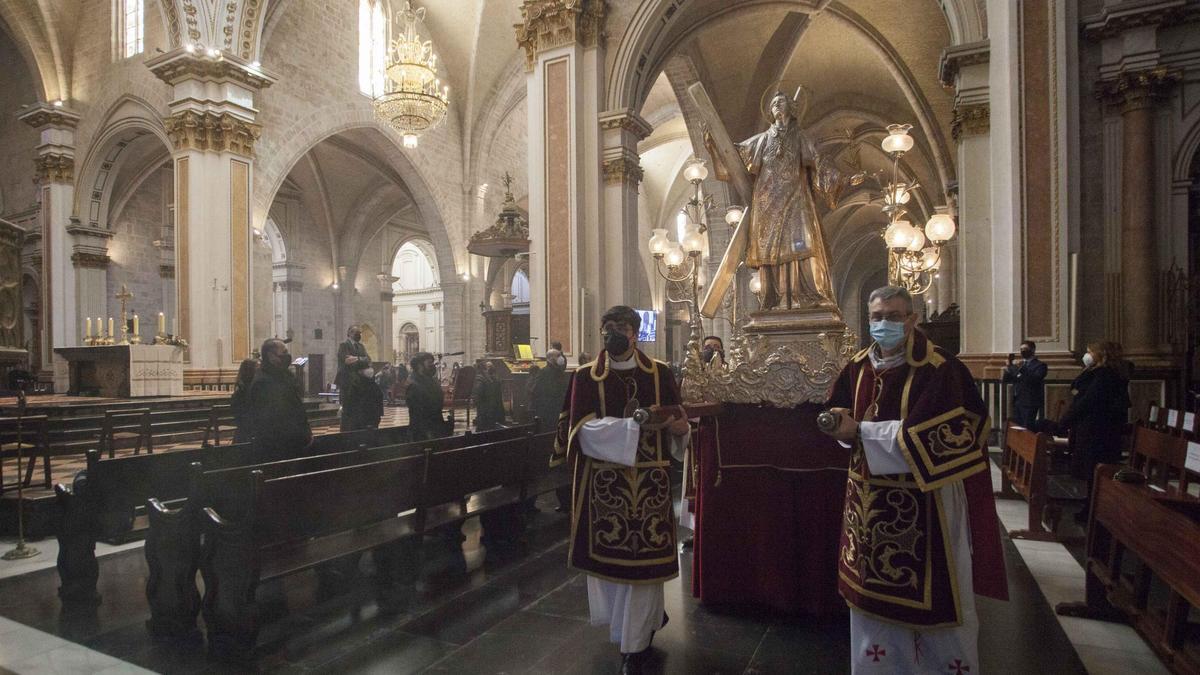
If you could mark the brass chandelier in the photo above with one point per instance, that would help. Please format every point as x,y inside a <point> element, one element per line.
<point>914,253</point>
<point>414,99</point>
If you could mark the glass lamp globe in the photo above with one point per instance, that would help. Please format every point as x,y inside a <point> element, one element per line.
<point>675,255</point>
<point>755,283</point>
<point>898,194</point>
<point>693,240</point>
<point>940,228</point>
<point>410,141</point>
<point>695,171</point>
<point>918,240</point>
<point>734,215</point>
<point>931,259</point>
<point>899,234</point>
<point>658,241</point>
<point>898,139</point>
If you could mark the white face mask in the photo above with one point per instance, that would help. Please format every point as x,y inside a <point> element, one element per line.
<point>1088,361</point>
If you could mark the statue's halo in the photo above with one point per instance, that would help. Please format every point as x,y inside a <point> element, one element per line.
<point>799,94</point>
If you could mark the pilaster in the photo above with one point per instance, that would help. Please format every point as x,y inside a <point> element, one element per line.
<point>288,286</point>
<point>212,128</point>
<point>564,49</point>
<point>54,172</point>
<point>620,133</point>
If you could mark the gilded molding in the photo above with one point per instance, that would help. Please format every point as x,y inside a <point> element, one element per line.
<point>547,24</point>
<point>1111,23</point>
<point>626,120</point>
<point>622,169</point>
<point>970,120</point>
<point>179,65</point>
<point>82,259</point>
<point>1139,88</point>
<point>956,57</point>
<point>53,168</point>
<point>216,132</point>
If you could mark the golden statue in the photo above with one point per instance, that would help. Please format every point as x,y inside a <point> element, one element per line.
<point>786,243</point>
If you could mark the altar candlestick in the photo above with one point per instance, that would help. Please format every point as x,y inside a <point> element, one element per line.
<point>162,324</point>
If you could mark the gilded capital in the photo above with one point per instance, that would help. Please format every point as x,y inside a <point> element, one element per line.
<point>970,120</point>
<point>215,132</point>
<point>547,24</point>
<point>53,167</point>
<point>1138,89</point>
<point>84,259</point>
<point>622,169</point>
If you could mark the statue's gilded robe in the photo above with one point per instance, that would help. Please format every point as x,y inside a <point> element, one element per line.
<point>784,225</point>
<point>622,519</point>
<point>895,560</point>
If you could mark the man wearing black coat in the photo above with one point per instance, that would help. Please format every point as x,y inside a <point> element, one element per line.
<point>354,379</point>
<point>425,400</point>
<point>278,422</point>
<point>1028,379</point>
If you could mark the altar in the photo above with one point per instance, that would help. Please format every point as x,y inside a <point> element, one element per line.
<point>119,371</point>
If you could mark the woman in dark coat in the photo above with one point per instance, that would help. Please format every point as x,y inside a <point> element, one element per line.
<point>1099,411</point>
<point>239,402</point>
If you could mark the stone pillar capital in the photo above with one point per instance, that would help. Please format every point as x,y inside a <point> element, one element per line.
<point>1138,89</point>
<point>973,119</point>
<point>208,131</point>
<point>622,165</point>
<point>546,24</point>
<point>1117,17</point>
<point>49,116</point>
<point>628,123</point>
<point>183,64</point>
<point>53,167</point>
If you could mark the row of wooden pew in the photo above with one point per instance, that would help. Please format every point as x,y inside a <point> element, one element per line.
<point>45,437</point>
<point>1143,530</point>
<point>239,518</point>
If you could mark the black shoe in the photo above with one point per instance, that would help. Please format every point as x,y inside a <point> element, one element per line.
<point>687,544</point>
<point>631,664</point>
<point>666,620</point>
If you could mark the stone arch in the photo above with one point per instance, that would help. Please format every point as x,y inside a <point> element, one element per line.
<point>33,40</point>
<point>967,20</point>
<point>129,119</point>
<point>276,241</point>
<point>654,32</point>
<point>233,26</point>
<point>324,123</point>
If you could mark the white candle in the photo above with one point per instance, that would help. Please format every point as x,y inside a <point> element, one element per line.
<point>174,325</point>
<point>110,326</point>
<point>99,327</point>
<point>89,327</point>
<point>136,325</point>
<point>162,324</point>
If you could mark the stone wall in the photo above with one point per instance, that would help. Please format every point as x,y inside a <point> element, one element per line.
<point>134,261</point>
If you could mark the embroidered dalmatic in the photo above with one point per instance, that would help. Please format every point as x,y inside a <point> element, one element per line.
<point>897,557</point>
<point>622,519</point>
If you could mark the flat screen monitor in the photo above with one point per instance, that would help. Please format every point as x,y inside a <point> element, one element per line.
<point>649,329</point>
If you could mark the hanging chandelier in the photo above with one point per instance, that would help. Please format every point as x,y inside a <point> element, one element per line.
<point>914,253</point>
<point>414,99</point>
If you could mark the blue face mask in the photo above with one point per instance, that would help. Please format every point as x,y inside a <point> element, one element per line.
<point>889,334</point>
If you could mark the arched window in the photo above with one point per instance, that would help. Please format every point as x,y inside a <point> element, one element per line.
<point>129,27</point>
<point>372,47</point>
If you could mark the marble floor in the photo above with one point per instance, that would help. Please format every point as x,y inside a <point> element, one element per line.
<point>520,613</point>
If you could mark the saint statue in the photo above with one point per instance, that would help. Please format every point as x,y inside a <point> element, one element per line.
<point>786,244</point>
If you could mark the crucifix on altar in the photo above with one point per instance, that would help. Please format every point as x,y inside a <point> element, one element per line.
<point>124,296</point>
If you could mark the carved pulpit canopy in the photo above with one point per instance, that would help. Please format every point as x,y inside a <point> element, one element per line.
<point>509,235</point>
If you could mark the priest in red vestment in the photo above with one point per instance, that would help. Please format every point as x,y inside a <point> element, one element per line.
<point>920,536</point>
<point>622,513</point>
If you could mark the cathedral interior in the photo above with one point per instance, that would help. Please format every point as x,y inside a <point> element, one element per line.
<point>190,185</point>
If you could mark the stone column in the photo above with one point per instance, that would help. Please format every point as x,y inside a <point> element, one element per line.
<point>212,128</point>
<point>966,68</point>
<point>61,324</point>
<point>621,244</point>
<point>288,285</point>
<point>386,329</point>
<point>564,57</point>
<point>1138,93</point>
<point>89,257</point>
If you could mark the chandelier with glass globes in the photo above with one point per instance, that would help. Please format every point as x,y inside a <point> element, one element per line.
<point>915,253</point>
<point>414,99</point>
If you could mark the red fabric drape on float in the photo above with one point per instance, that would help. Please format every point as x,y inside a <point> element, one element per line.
<point>769,510</point>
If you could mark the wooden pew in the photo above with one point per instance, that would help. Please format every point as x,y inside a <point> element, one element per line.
<point>1025,472</point>
<point>174,528</point>
<point>294,523</point>
<point>274,538</point>
<point>35,442</point>
<point>129,424</point>
<point>1163,533</point>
